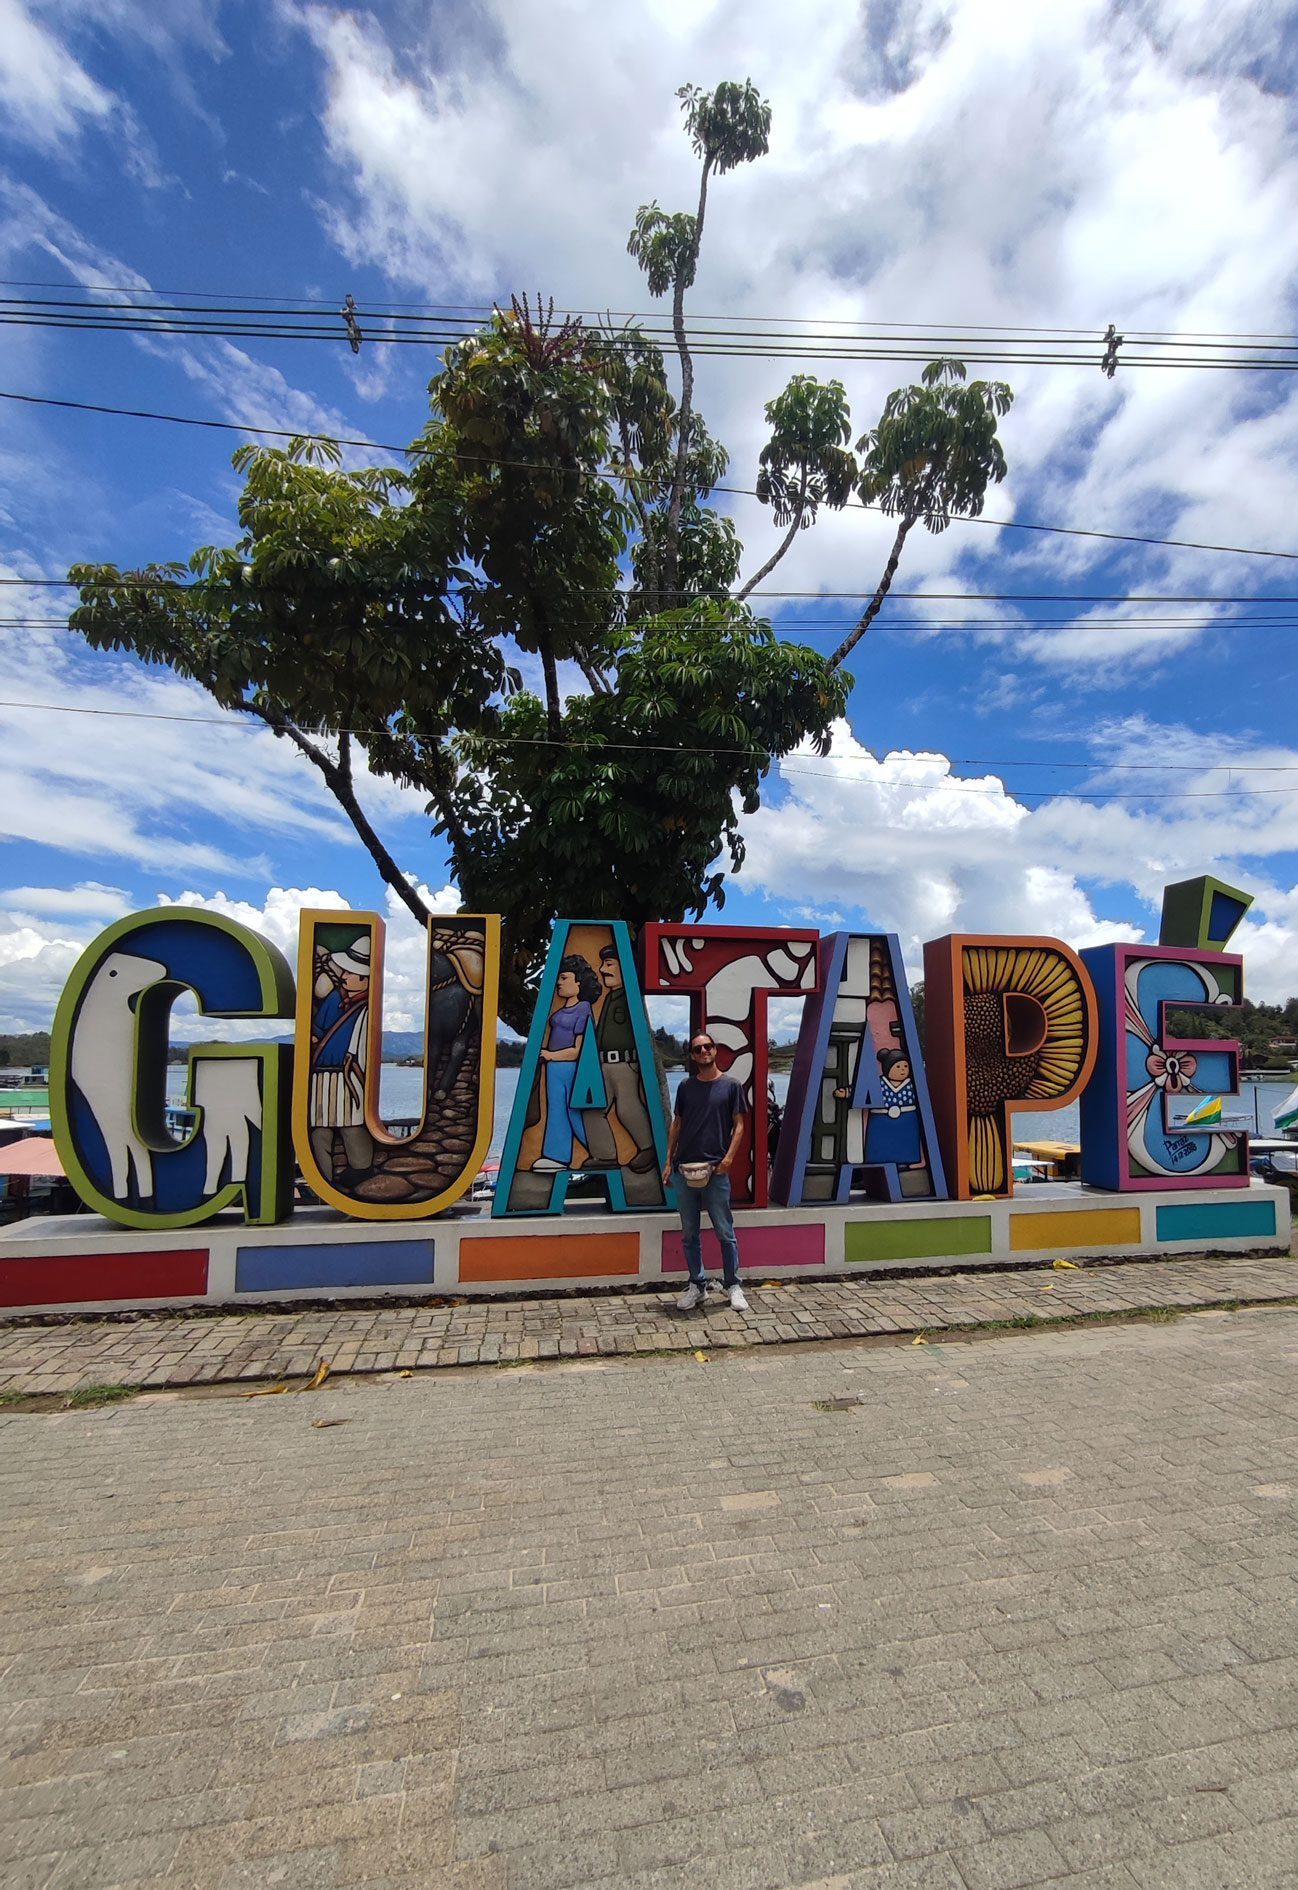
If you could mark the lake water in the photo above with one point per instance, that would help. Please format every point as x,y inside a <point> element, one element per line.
<point>400,1093</point>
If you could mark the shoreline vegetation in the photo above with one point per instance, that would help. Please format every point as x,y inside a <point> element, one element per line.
<point>1267,1035</point>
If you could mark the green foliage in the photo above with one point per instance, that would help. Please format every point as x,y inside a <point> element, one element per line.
<point>24,1050</point>
<point>628,818</point>
<point>727,127</point>
<point>332,610</point>
<point>664,246</point>
<point>935,448</point>
<point>806,464</point>
<point>1255,1026</point>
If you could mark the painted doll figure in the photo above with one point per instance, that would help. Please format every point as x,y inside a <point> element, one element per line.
<point>576,989</point>
<point>339,1051</point>
<point>892,1131</point>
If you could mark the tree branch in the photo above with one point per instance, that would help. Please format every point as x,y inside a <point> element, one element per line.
<point>338,776</point>
<point>789,536</point>
<point>871,610</point>
<point>594,676</point>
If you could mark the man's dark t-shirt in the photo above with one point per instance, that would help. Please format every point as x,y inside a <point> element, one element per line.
<point>707,1113</point>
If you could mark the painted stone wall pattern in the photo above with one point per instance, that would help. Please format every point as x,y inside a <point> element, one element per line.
<point>108,1074</point>
<point>1010,1023</point>
<point>858,1101</point>
<point>729,973</point>
<point>588,1100</point>
<point>1137,1131</point>
<point>346,1154</point>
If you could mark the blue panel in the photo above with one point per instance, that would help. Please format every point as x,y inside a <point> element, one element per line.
<point>334,1263</point>
<point>1215,1220</point>
<point>1224,914</point>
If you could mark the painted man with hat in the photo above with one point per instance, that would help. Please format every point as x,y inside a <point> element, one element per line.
<point>340,1035</point>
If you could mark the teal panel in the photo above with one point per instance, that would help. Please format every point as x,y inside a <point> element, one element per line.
<point>1216,1220</point>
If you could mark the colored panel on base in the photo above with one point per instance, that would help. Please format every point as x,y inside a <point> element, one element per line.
<point>922,1237</point>
<point>1077,1227</point>
<point>86,1278</point>
<point>273,1269</point>
<point>548,1257</point>
<point>760,1248</point>
<point>1215,1220</point>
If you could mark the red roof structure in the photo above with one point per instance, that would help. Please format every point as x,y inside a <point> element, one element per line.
<point>34,1155</point>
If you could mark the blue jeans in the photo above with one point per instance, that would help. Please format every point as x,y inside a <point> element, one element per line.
<point>561,1119</point>
<point>690,1203</point>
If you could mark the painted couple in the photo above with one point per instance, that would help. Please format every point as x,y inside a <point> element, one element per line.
<point>585,997</point>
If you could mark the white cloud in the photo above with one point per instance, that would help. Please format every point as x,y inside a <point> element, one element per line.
<point>902,843</point>
<point>88,899</point>
<point>46,97</point>
<point>40,944</point>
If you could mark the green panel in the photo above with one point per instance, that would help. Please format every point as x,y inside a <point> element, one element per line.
<point>917,1237</point>
<point>1215,1220</point>
<point>1202,913</point>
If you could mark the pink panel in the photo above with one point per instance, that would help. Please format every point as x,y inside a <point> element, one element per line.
<point>760,1248</point>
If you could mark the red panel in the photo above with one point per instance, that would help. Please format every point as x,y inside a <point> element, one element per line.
<point>696,959</point>
<point>67,1279</point>
<point>760,1248</point>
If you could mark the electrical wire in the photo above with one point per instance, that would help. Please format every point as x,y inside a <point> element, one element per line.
<point>319,303</point>
<point>832,773</point>
<point>377,446</point>
<point>981,343</point>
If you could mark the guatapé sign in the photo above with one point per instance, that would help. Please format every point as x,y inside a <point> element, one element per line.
<point>1010,1023</point>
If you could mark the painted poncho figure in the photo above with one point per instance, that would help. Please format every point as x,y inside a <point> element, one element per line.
<point>339,1050</point>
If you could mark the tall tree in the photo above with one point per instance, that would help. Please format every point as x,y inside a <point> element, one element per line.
<point>554,514</point>
<point>933,454</point>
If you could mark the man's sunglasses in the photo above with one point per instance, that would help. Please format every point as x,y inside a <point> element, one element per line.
<point>696,1047</point>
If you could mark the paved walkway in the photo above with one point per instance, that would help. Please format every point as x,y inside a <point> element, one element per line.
<point>157,1351</point>
<point>840,1618</point>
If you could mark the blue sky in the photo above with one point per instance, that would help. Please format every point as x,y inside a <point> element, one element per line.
<point>978,163</point>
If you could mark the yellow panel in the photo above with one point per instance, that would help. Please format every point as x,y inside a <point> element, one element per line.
<point>1094,1227</point>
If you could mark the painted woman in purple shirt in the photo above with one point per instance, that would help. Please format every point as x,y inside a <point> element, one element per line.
<point>576,990</point>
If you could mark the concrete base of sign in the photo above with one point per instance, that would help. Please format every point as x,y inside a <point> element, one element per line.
<point>81,1263</point>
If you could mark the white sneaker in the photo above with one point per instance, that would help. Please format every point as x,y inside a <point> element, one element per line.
<point>690,1298</point>
<point>737,1301</point>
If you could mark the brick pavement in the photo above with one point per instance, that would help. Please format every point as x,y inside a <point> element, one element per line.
<point>965,1617</point>
<point>168,1350</point>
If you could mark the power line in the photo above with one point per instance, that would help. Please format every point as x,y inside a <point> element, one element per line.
<point>894,596</point>
<point>377,446</point>
<point>792,633</point>
<point>982,345</point>
<point>834,772</point>
<point>323,304</point>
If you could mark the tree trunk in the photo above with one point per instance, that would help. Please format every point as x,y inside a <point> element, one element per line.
<point>338,776</point>
<point>871,610</point>
<point>553,709</point>
<point>671,559</point>
<point>774,559</point>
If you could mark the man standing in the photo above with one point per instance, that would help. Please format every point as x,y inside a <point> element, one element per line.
<point>622,1081</point>
<point>707,1127</point>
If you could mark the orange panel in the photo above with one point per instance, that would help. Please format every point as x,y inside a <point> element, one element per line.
<point>548,1256</point>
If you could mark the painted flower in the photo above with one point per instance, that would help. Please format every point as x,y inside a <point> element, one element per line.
<point>1174,1070</point>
